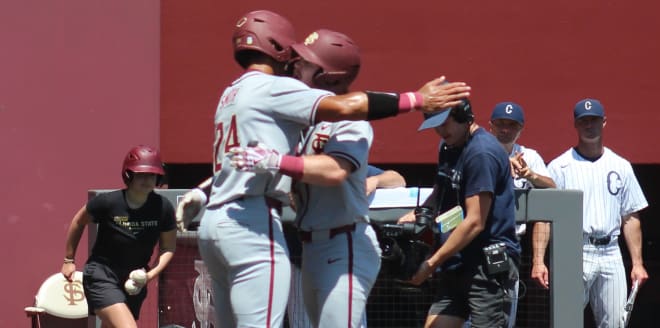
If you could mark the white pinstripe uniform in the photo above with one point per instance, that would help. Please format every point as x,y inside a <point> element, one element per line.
<point>240,235</point>
<point>610,192</point>
<point>338,272</point>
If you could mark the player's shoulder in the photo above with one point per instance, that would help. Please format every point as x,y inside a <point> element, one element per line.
<point>484,142</point>
<point>109,196</point>
<point>483,148</point>
<point>166,203</point>
<point>612,156</point>
<point>563,160</point>
<point>526,150</point>
<point>283,85</point>
<point>105,201</point>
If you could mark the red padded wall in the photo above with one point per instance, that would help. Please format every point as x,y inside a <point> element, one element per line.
<point>544,55</point>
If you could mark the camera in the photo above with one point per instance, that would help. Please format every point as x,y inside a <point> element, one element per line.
<point>424,217</point>
<point>405,246</point>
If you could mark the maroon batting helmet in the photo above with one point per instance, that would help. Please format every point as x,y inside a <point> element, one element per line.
<point>336,54</point>
<point>266,32</point>
<point>142,159</point>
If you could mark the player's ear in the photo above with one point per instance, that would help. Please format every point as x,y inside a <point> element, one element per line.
<point>604,121</point>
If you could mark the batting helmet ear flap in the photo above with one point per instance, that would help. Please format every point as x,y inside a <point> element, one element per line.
<point>337,82</point>
<point>127,177</point>
<point>162,178</point>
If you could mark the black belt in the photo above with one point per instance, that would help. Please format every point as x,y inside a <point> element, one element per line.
<point>306,236</point>
<point>599,241</point>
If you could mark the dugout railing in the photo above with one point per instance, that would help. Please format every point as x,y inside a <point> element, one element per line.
<point>183,292</point>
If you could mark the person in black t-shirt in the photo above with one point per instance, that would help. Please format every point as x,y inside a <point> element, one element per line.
<point>131,222</point>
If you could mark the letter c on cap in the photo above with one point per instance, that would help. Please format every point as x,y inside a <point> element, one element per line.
<point>587,105</point>
<point>508,109</point>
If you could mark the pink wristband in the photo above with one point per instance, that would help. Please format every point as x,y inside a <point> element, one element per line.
<point>292,166</point>
<point>409,101</point>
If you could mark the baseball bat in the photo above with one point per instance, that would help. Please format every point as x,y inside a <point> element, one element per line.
<point>630,303</point>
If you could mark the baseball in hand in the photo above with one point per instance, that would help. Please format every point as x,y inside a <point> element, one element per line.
<point>139,276</point>
<point>131,287</point>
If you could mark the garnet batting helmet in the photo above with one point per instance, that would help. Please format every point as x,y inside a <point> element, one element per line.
<point>142,159</point>
<point>266,32</point>
<point>335,53</point>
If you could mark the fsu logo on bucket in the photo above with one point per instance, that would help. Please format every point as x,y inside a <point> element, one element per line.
<point>73,292</point>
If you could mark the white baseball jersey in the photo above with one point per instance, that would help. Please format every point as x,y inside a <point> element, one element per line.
<point>338,272</point>
<point>325,207</point>
<point>533,160</point>
<point>265,108</point>
<point>610,189</point>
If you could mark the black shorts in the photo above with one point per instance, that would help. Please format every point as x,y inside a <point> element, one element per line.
<point>104,287</point>
<point>470,293</point>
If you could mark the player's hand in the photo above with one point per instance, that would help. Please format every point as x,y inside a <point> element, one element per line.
<point>254,158</point>
<point>424,272</point>
<point>68,269</point>
<point>638,272</point>
<point>188,208</point>
<point>520,168</point>
<point>439,94</point>
<point>139,277</point>
<point>516,165</point>
<point>408,217</point>
<point>540,275</point>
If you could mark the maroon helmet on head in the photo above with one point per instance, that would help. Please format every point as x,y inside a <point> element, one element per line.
<point>336,54</point>
<point>142,159</point>
<point>266,32</point>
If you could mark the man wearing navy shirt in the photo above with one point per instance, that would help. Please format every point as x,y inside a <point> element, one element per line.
<point>477,261</point>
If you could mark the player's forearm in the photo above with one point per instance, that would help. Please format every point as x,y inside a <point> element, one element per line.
<point>357,106</point>
<point>205,186</point>
<point>540,181</point>
<point>325,170</point>
<point>74,233</point>
<point>390,179</point>
<point>163,260</point>
<point>540,238</point>
<point>632,231</point>
<point>167,245</point>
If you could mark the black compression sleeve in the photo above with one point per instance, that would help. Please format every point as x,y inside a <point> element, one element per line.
<point>382,105</point>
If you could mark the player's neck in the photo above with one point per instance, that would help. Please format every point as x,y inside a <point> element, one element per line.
<point>264,68</point>
<point>135,199</point>
<point>591,149</point>
<point>508,147</point>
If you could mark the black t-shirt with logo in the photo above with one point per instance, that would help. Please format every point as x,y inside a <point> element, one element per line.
<point>126,237</point>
